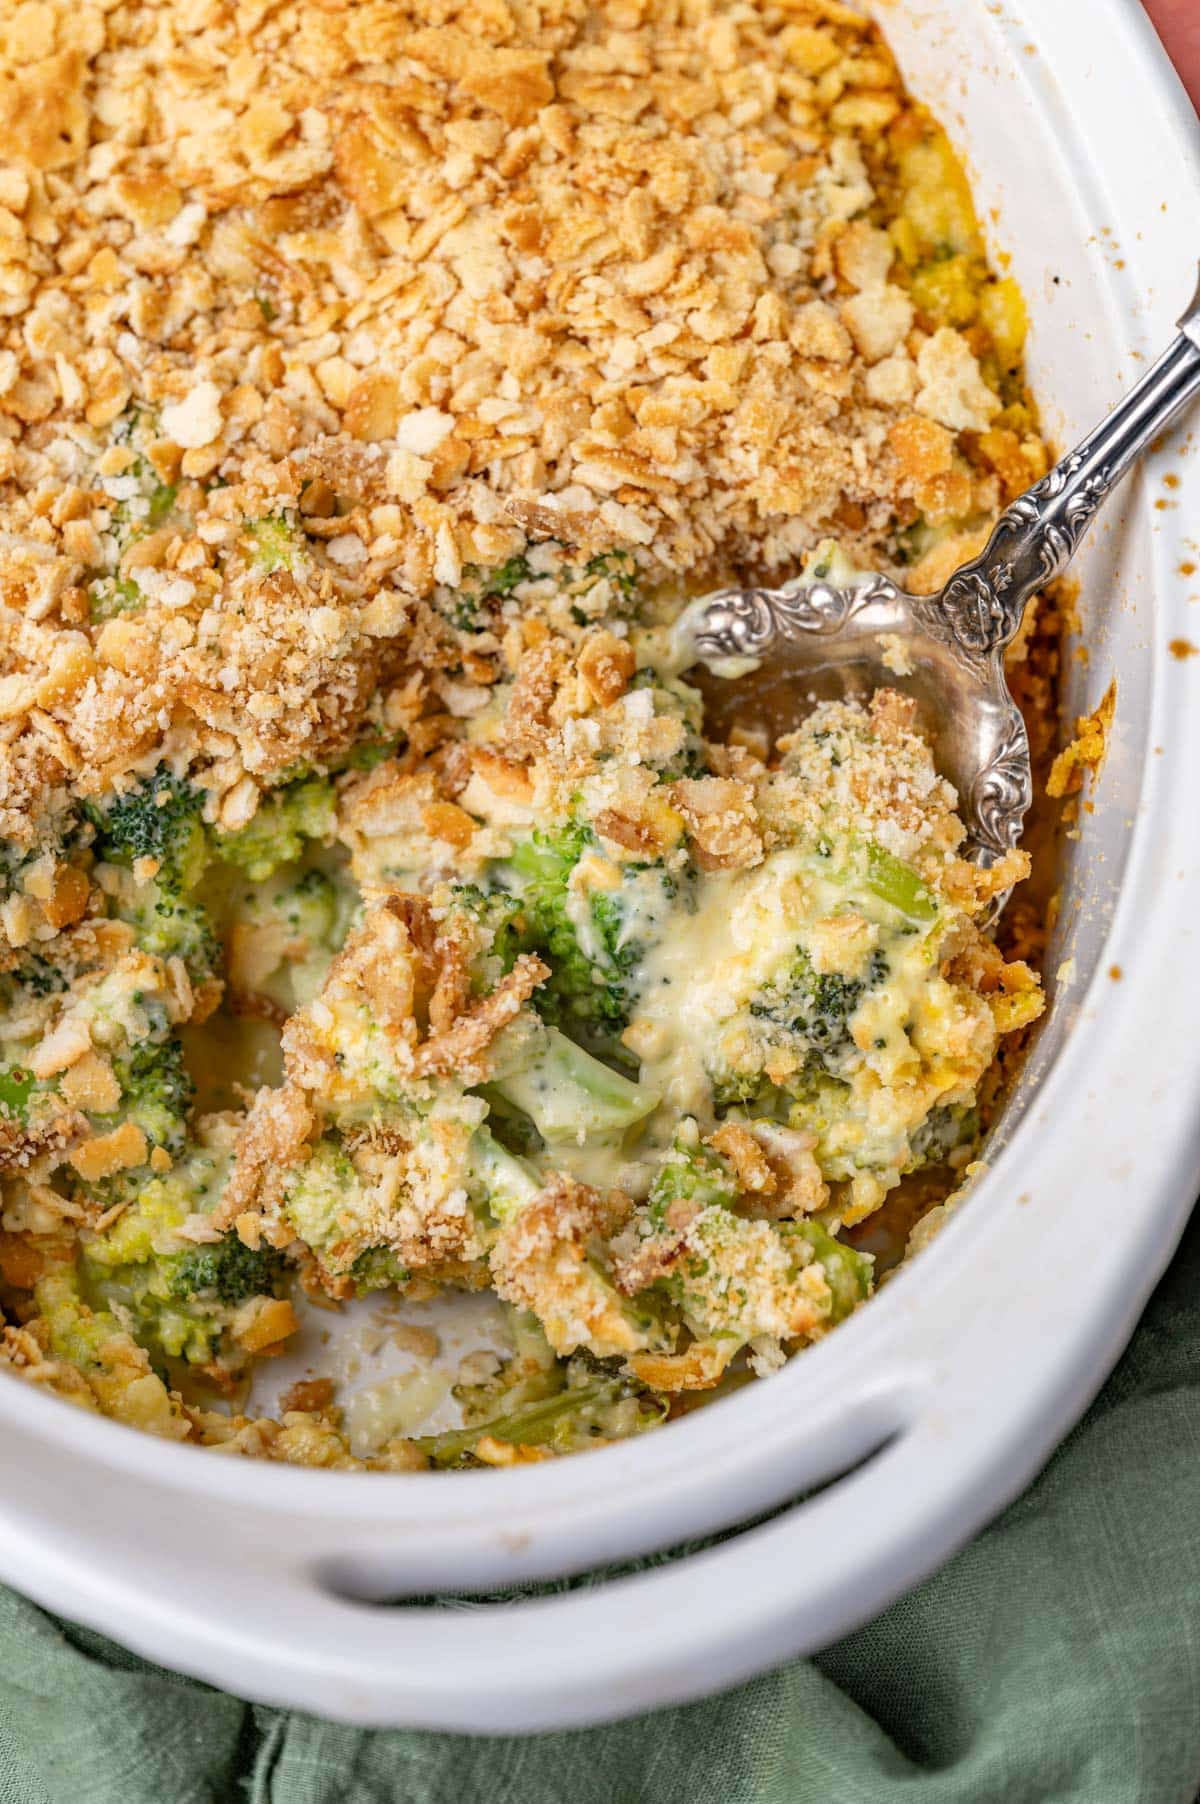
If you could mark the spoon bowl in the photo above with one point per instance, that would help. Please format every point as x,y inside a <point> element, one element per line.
<point>947,649</point>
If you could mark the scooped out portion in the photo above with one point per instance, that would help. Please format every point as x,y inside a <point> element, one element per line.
<point>627,1026</point>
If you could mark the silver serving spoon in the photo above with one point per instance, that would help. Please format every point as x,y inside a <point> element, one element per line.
<point>950,646</point>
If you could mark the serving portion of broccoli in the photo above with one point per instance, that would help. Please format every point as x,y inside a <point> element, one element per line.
<point>807,989</point>
<point>395,1170</point>
<point>400,1157</point>
<point>108,1128</point>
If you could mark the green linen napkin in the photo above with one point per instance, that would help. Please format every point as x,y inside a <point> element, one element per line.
<point>1055,1661</point>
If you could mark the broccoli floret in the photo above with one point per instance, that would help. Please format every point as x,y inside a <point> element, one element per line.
<point>228,1270</point>
<point>100,1346</point>
<point>178,1298</point>
<point>277,543</point>
<point>283,824</point>
<point>736,1279</point>
<point>815,1008</point>
<point>466,608</point>
<point>502,918</point>
<point>378,1269</point>
<point>943,1131</point>
<point>159,819</point>
<point>327,1202</point>
<point>156,1096</point>
<point>320,1199</point>
<point>585,987</point>
<point>594,939</point>
<point>171,928</point>
<point>156,1092</point>
<point>690,1173</point>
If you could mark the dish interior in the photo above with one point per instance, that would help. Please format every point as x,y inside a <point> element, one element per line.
<point>382,916</point>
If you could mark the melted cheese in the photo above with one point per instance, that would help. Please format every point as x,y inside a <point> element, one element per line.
<point>919,1042</point>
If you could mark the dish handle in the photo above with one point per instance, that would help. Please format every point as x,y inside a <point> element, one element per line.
<point>285,1630</point>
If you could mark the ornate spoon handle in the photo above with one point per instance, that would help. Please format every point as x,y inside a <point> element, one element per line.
<point>1035,539</point>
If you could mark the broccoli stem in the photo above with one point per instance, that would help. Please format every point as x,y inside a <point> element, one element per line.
<point>568,1094</point>
<point>898,885</point>
<point>505,1183</point>
<point>529,1427</point>
<point>848,1273</point>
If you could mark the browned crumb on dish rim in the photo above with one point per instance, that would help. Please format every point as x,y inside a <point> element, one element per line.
<point>1085,754</point>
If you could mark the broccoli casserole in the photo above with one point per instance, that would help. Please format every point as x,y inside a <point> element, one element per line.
<point>378,381</point>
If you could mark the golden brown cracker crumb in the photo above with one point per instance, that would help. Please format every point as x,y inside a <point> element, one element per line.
<point>308,1394</point>
<point>1085,754</point>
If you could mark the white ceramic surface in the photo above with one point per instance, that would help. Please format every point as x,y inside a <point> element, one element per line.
<point>928,1411</point>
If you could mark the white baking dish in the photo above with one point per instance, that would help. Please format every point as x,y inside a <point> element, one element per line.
<point>933,1406</point>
